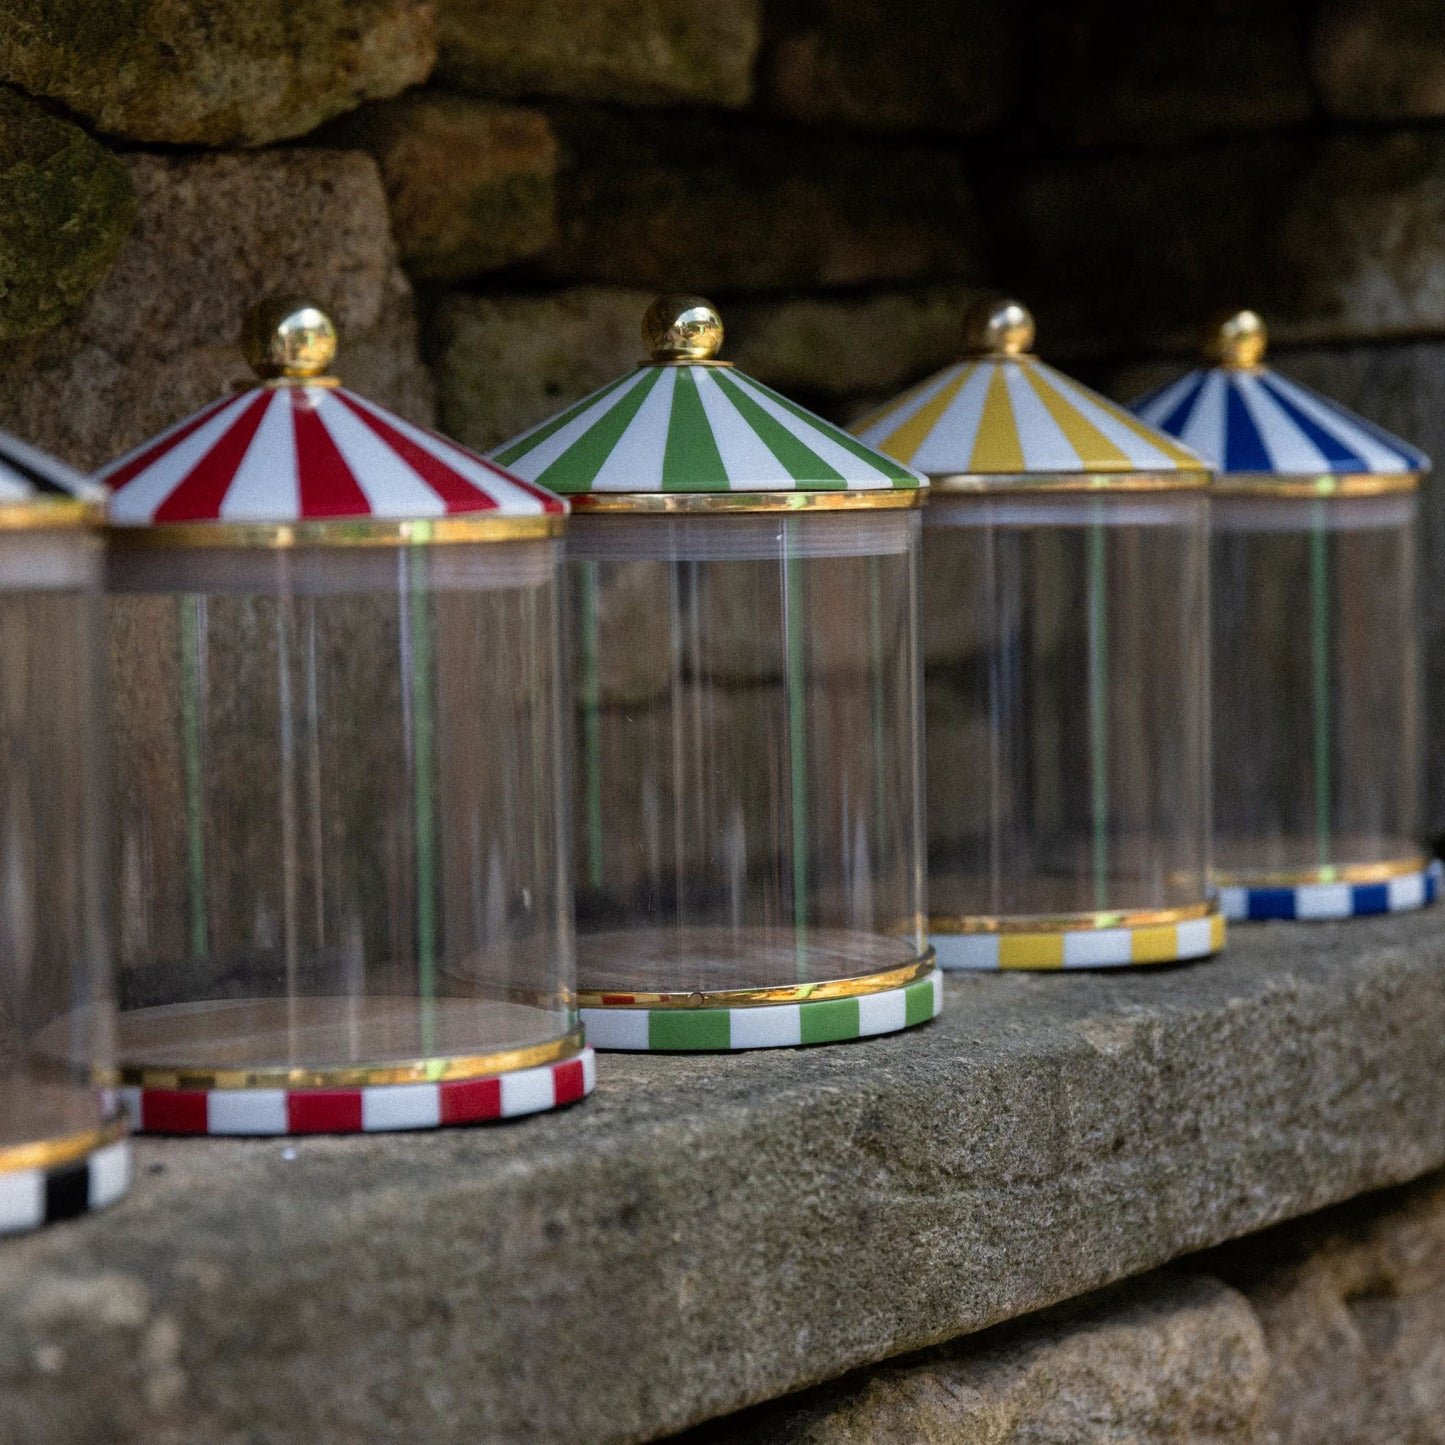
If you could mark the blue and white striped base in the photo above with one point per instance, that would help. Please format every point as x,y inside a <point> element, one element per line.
<point>1333,900</point>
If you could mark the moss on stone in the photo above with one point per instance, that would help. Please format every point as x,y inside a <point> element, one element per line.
<point>214,72</point>
<point>66,205</point>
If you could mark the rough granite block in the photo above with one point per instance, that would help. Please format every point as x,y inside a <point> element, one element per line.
<point>643,52</point>
<point>1171,1360</point>
<point>711,1232</point>
<point>471,184</point>
<point>159,336</point>
<point>226,73</point>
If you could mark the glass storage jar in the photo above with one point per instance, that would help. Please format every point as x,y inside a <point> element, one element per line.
<point>1317,730</point>
<point>342,857</point>
<point>62,1145</point>
<point>1066,670</point>
<point>747,785</point>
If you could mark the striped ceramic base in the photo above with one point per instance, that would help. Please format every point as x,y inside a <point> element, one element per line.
<point>1333,900</point>
<point>766,1026</point>
<point>374,1109</point>
<point>32,1197</point>
<point>1081,947</point>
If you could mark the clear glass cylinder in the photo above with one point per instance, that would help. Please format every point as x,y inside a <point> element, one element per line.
<point>341,827</point>
<point>56,1000</point>
<point>747,779</point>
<point>1066,662</point>
<point>1316,687</point>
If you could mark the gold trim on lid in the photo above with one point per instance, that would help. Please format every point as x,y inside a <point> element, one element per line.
<point>682,329</point>
<point>998,326</point>
<point>327,532</point>
<point>287,340</point>
<point>1097,483</point>
<point>1238,342</point>
<point>1327,486</point>
<point>675,502</point>
<point>40,514</point>
<point>271,383</point>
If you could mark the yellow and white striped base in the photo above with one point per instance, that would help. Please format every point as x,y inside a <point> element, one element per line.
<point>1063,946</point>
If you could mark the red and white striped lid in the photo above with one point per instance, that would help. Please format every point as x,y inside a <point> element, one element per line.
<point>300,448</point>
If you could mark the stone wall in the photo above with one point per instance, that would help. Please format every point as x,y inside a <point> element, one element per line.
<point>487,191</point>
<point>842,175</point>
<point>1330,1331</point>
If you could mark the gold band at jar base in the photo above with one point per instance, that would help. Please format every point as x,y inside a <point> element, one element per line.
<point>354,1076</point>
<point>677,503</point>
<point>1323,873</point>
<point>834,988</point>
<point>1067,922</point>
<point>52,1153</point>
<point>1322,488</point>
<point>361,532</point>
<point>1090,941</point>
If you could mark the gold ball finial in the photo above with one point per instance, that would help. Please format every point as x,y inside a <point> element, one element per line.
<point>998,327</point>
<point>682,328</point>
<point>1239,341</point>
<point>288,337</point>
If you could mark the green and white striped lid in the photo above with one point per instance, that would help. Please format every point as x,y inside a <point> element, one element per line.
<point>687,422</point>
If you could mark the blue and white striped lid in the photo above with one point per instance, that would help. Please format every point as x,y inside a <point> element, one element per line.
<point>1246,419</point>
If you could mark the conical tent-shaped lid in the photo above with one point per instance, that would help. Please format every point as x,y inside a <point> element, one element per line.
<point>689,423</point>
<point>299,448</point>
<point>36,487</point>
<point>1002,417</point>
<point>1248,420</point>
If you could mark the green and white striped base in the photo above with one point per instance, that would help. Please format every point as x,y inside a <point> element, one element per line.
<point>768,1026</point>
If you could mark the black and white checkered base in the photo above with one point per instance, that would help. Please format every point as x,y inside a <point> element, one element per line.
<point>32,1197</point>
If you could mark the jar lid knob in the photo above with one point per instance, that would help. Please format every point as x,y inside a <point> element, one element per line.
<point>286,337</point>
<point>998,326</point>
<point>682,328</point>
<point>1239,341</point>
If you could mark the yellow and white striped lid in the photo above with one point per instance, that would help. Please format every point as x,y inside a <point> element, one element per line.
<point>1002,416</point>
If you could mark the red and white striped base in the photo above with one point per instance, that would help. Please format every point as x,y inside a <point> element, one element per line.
<point>375,1109</point>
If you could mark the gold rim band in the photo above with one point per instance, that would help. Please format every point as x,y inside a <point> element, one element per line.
<point>1068,922</point>
<point>41,516</point>
<point>684,502</point>
<point>1325,873</point>
<point>274,383</point>
<point>1321,488</point>
<point>980,484</point>
<point>361,532</point>
<point>354,1076</point>
<point>51,1153</point>
<point>755,997</point>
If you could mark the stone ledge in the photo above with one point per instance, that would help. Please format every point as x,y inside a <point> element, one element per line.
<point>711,1232</point>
